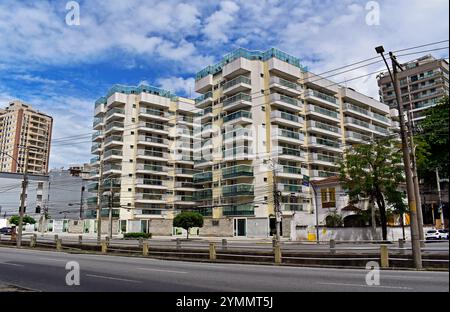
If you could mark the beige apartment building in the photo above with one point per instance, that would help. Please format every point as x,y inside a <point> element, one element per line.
<point>423,83</point>
<point>263,125</point>
<point>24,130</point>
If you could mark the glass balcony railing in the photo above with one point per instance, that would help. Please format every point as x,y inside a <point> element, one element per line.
<point>358,136</point>
<point>203,97</point>
<point>113,152</point>
<point>237,151</point>
<point>291,152</point>
<point>323,111</point>
<point>288,134</point>
<point>150,182</point>
<point>110,167</point>
<point>237,171</point>
<point>380,117</point>
<point>327,142</point>
<point>148,167</point>
<point>94,160</point>
<point>325,126</point>
<point>202,177</point>
<point>236,115</point>
<point>111,138</point>
<point>285,83</point>
<point>205,194</point>
<point>97,134</point>
<point>114,111</point>
<point>291,170</point>
<point>152,153</point>
<point>185,171</point>
<point>238,190</point>
<point>152,126</point>
<point>95,147</point>
<point>292,188</point>
<point>114,124</point>
<point>326,158</point>
<point>286,116</point>
<point>292,207</point>
<point>237,98</point>
<point>206,212</point>
<point>357,109</point>
<point>154,112</point>
<point>150,196</point>
<point>322,96</point>
<point>237,133</point>
<point>97,121</point>
<point>150,139</point>
<point>239,210</point>
<point>235,81</point>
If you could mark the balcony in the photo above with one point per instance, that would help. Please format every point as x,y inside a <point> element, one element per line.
<point>365,126</point>
<point>239,210</point>
<point>97,136</point>
<point>154,113</point>
<point>151,169</point>
<point>203,177</point>
<point>96,148</point>
<point>115,113</point>
<point>93,188</point>
<point>290,154</point>
<point>357,137</point>
<point>237,153</point>
<point>283,135</point>
<point>240,100</point>
<point>98,123</point>
<point>321,127</point>
<point>321,143</point>
<point>152,154</point>
<point>238,135</point>
<point>114,126</point>
<point>204,100</point>
<point>239,117</point>
<point>291,207</point>
<point>151,183</point>
<point>155,198</point>
<point>237,190</point>
<point>184,185</point>
<point>95,160</point>
<point>322,113</point>
<point>285,86</point>
<point>185,171</point>
<point>153,127</point>
<point>152,141</point>
<point>323,174</point>
<point>202,195</point>
<point>289,171</point>
<point>112,168</point>
<point>381,118</point>
<point>238,84</point>
<point>113,140</point>
<point>112,154</point>
<point>321,98</point>
<point>116,99</point>
<point>238,171</point>
<point>286,119</point>
<point>109,184</point>
<point>286,102</point>
<point>324,159</point>
<point>184,200</point>
<point>289,188</point>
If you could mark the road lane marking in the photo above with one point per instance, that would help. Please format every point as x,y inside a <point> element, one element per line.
<point>362,285</point>
<point>52,259</point>
<point>113,278</point>
<point>13,264</point>
<point>159,270</point>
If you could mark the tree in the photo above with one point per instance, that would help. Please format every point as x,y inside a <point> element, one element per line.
<point>26,220</point>
<point>432,143</point>
<point>188,220</point>
<point>334,220</point>
<point>372,171</point>
<point>396,198</point>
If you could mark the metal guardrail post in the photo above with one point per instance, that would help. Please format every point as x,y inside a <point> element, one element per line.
<point>212,251</point>
<point>33,241</point>
<point>277,253</point>
<point>384,256</point>
<point>401,245</point>
<point>332,246</point>
<point>56,238</point>
<point>224,244</point>
<point>104,247</point>
<point>80,239</point>
<point>178,242</point>
<point>145,249</point>
<point>59,244</point>
<point>107,240</point>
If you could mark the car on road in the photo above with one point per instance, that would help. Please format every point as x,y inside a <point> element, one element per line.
<point>6,231</point>
<point>436,234</point>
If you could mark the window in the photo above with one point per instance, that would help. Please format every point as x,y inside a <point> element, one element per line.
<point>328,196</point>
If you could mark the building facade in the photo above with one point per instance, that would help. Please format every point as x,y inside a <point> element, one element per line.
<point>261,129</point>
<point>423,83</point>
<point>24,131</point>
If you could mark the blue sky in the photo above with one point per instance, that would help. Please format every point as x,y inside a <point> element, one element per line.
<point>61,69</point>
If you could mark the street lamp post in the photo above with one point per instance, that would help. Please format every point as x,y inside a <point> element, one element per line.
<point>417,256</point>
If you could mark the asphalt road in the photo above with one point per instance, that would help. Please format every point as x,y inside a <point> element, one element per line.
<point>45,271</point>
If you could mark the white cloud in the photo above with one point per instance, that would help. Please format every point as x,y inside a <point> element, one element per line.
<point>220,23</point>
<point>178,85</point>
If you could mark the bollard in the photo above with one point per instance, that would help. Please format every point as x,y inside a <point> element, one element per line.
<point>107,240</point>
<point>277,253</point>
<point>104,247</point>
<point>141,241</point>
<point>145,249</point>
<point>224,244</point>
<point>33,241</point>
<point>401,245</point>
<point>384,256</point>
<point>56,238</point>
<point>212,251</point>
<point>59,244</point>
<point>178,241</point>
<point>80,239</point>
<point>332,246</point>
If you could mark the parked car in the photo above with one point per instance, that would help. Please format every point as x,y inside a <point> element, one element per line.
<point>436,234</point>
<point>6,231</point>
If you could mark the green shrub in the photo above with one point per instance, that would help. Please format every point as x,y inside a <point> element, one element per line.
<point>137,235</point>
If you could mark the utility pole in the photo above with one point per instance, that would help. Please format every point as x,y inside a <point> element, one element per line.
<point>276,202</point>
<point>417,256</point>
<point>99,200</point>
<point>81,201</point>
<point>440,209</point>
<point>22,199</point>
<point>111,200</point>
<point>316,210</point>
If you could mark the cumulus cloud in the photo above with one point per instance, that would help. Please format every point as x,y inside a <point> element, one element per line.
<point>178,85</point>
<point>220,23</point>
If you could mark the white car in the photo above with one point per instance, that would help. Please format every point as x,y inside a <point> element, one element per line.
<point>436,234</point>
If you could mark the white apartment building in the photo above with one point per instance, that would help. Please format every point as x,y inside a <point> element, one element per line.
<point>262,126</point>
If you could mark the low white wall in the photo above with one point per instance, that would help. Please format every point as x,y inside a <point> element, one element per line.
<point>353,233</point>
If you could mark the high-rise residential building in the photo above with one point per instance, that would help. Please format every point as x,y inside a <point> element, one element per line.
<point>24,130</point>
<point>263,125</point>
<point>423,82</point>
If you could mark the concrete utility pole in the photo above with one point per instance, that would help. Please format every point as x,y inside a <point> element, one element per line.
<point>441,209</point>
<point>111,201</point>
<point>416,251</point>
<point>22,200</point>
<point>276,201</point>
<point>316,211</point>
<point>81,201</point>
<point>99,201</point>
